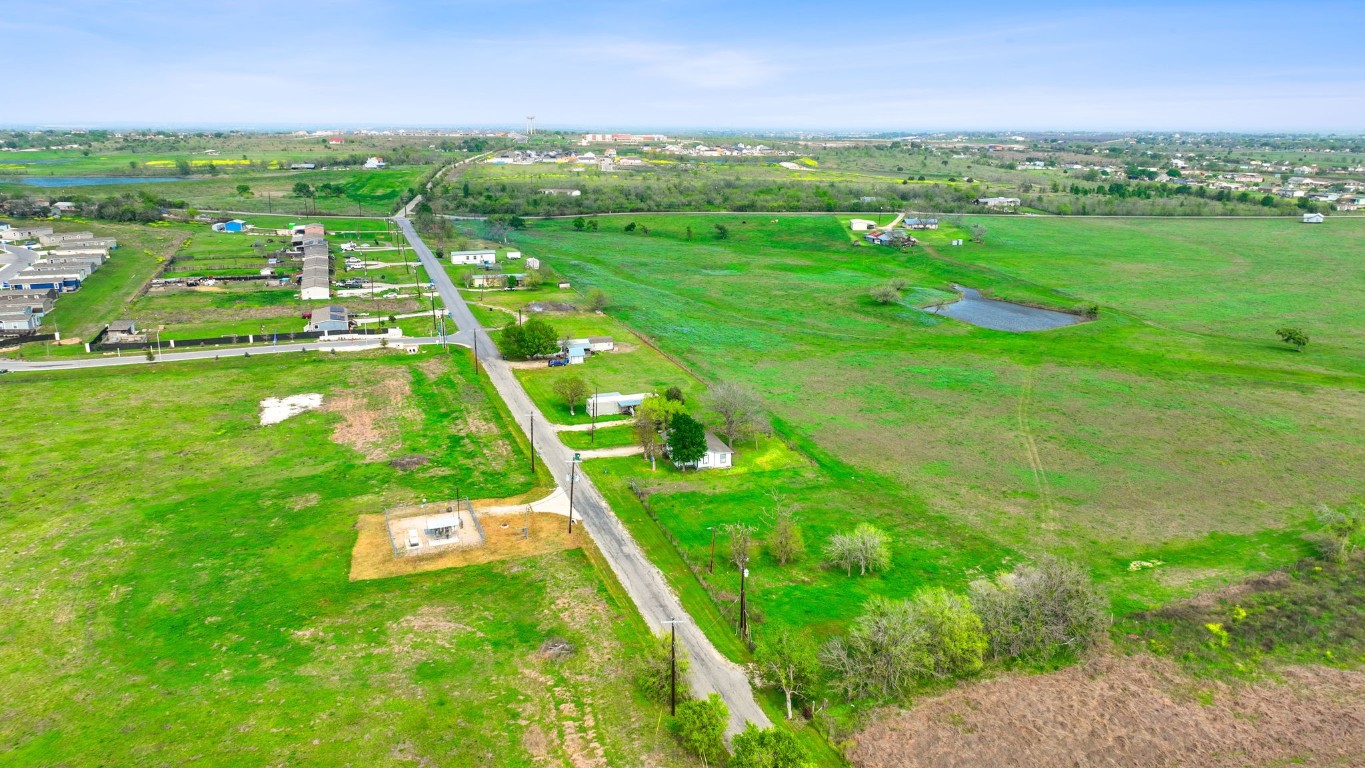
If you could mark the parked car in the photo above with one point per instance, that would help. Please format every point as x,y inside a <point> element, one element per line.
<point>555,362</point>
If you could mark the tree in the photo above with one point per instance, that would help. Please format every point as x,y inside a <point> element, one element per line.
<point>700,727</point>
<point>722,232</point>
<point>1293,336</point>
<point>884,294</point>
<point>675,394</point>
<point>737,407</point>
<point>786,543</point>
<point>183,168</point>
<point>789,660</point>
<point>579,223</point>
<point>655,672</point>
<point>866,547</point>
<point>301,189</point>
<point>894,644</point>
<point>243,190</point>
<point>597,300</point>
<point>652,419</point>
<point>533,279</point>
<point>978,233</point>
<point>686,439</point>
<point>770,748</point>
<point>688,235</point>
<point>539,338</point>
<point>572,389</point>
<point>630,227</point>
<point>1038,610</point>
<point>741,541</point>
<point>592,225</point>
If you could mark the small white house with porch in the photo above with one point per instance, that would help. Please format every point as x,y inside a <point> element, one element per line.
<point>476,258</point>
<point>718,455</point>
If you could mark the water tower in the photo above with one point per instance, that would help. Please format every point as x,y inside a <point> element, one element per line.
<point>530,125</point>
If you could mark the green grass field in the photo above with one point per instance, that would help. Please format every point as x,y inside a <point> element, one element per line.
<point>1173,428</point>
<point>176,585</point>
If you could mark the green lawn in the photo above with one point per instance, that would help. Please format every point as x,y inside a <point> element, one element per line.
<point>1174,428</point>
<point>613,435</point>
<point>176,585</point>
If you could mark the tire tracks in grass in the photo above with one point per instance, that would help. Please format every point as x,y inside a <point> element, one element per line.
<point>1035,460</point>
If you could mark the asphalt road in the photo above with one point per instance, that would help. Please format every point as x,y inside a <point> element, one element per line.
<point>709,671</point>
<point>137,357</point>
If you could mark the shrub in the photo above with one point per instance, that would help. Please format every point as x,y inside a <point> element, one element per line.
<point>771,748</point>
<point>700,727</point>
<point>867,547</point>
<point>1037,611</point>
<point>884,294</point>
<point>655,671</point>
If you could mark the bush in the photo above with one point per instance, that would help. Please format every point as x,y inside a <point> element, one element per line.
<point>771,748</point>
<point>654,672</point>
<point>700,727</point>
<point>1034,612</point>
<point>884,294</point>
<point>867,547</point>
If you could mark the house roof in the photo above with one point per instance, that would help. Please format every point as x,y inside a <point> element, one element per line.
<point>123,326</point>
<point>716,445</point>
<point>599,339</point>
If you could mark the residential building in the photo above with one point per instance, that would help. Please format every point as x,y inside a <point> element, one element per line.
<point>57,238</point>
<point>565,192</point>
<point>333,319</point>
<point>920,223</point>
<point>998,202</point>
<point>19,320</point>
<point>594,343</point>
<point>316,280</point>
<point>11,234</point>
<point>488,280</point>
<point>861,225</point>
<point>479,258</point>
<point>1313,218</point>
<point>123,331</point>
<point>374,162</point>
<point>718,456</point>
<point>532,262</point>
<point>61,283</point>
<point>611,403</point>
<point>236,225</point>
<point>40,302</point>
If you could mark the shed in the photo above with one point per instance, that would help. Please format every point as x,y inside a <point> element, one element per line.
<point>236,225</point>
<point>1313,218</point>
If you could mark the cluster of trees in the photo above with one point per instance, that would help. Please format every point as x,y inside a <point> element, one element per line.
<point>1034,613</point>
<point>142,207</point>
<point>532,339</point>
<point>682,191</point>
<point>700,724</point>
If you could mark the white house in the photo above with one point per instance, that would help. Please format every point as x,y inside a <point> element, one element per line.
<point>513,255</point>
<point>532,262</point>
<point>374,162</point>
<point>998,202</point>
<point>861,225</point>
<point>1312,218</point>
<point>718,455</point>
<point>593,343</point>
<point>608,403</point>
<point>478,258</point>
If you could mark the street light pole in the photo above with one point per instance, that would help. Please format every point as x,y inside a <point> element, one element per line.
<point>531,417</point>
<point>592,433</point>
<point>573,475</point>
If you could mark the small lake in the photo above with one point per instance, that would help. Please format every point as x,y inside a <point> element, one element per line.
<point>973,308</point>
<point>88,181</point>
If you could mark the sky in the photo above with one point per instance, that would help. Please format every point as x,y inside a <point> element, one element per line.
<point>659,64</point>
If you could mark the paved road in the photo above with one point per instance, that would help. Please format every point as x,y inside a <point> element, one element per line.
<point>138,357</point>
<point>710,671</point>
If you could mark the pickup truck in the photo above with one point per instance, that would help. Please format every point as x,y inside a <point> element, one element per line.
<point>555,362</point>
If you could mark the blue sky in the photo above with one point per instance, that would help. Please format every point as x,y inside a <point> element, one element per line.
<point>664,64</point>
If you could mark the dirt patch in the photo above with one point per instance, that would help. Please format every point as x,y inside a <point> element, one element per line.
<point>304,501</point>
<point>404,463</point>
<point>373,558</point>
<point>1137,711</point>
<point>368,416</point>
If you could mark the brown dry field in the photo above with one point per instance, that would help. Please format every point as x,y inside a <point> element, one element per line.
<point>372,557</point>
<point>1127,712</point>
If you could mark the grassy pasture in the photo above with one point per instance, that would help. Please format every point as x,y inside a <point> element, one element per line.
<point>1170,430</point>
<point>176,581</point>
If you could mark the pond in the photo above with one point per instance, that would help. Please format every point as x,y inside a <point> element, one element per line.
<point>89,181</point>
<point>973,308</point>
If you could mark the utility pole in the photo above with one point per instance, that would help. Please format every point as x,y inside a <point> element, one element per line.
<point>743,605</point>
<point>711,564</point>
<point>673,666</point>
<point>531,419</point>
<point>573,474</point>
<point>592,433</point>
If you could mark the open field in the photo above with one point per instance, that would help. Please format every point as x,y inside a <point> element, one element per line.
<point>1170,429</point>
<point>177,584</point>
